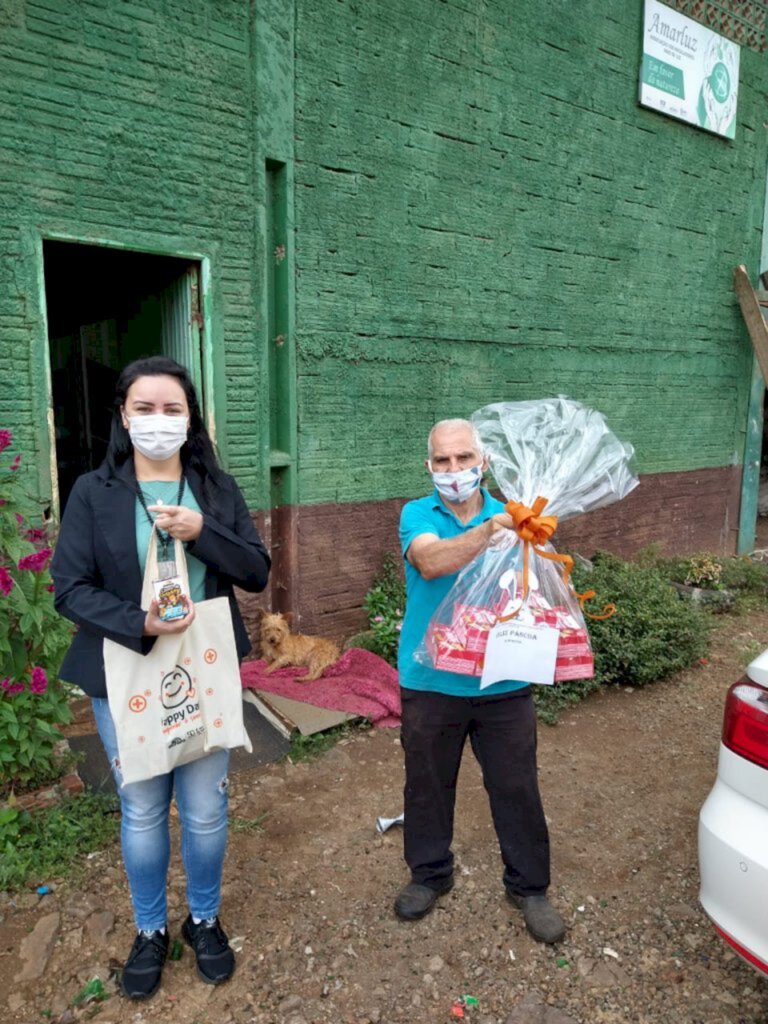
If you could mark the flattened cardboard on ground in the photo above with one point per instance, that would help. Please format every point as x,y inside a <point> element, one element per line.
<point>286,714</point>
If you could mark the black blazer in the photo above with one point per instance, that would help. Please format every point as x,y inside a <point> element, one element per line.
<point>96,575</point>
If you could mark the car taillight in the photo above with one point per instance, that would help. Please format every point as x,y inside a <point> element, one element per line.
<point>745,722</point>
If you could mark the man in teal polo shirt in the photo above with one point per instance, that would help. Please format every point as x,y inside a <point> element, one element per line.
<point>439,535</point>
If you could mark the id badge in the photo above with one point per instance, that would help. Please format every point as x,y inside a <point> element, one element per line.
<point>171,600</point>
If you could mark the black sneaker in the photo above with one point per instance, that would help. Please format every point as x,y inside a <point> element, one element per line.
<point>144,966</point>
<point>215,959</point>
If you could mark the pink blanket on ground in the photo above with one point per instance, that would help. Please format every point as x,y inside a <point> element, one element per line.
<point>360,683</point>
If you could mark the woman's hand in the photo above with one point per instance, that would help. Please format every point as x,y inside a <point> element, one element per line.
<point>155,626</point>
<point>178,521</point>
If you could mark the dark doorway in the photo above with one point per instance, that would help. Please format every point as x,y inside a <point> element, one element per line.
<point>105,308</point>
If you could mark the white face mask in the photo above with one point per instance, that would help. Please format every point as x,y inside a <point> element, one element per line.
<point>458,486</point>
<point>158,436</point>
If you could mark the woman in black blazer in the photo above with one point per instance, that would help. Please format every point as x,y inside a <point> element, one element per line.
<point>160,468</point>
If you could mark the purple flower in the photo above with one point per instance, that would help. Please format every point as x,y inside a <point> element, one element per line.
<point>39,681</point>
<point>37,561</point>
<point>5,439</point>
<point>6,582</point>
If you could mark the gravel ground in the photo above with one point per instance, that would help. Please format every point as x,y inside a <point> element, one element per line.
<point>308,894</point>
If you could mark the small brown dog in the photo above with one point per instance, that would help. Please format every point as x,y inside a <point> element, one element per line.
<point>281,648</point>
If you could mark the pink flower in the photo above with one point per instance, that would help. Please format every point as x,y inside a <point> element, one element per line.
<point>39,681</point>
<point>6,582</point>
<point>19,518</point>
<point>378,618</point>
<point>37,561</point>
<point>50,588</point>
<point>36,534</point>
<point>5,439</point>
<point>10,687</point>
<point>16,463</point>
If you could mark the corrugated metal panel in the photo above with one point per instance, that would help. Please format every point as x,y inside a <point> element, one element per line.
<point>180,323</point>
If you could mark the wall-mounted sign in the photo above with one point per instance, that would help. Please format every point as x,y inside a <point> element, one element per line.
<point>688,71</point>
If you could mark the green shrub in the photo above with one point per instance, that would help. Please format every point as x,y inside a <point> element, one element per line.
<point>740,575</point>
<point>653,632</point>
<point>746,575</point>
<point>366,640</point>
<point>385,605</point>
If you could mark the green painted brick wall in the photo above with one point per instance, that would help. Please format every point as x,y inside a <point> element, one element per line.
<point>131,123</point>
<point>485,213</point>
<point>481,211</point>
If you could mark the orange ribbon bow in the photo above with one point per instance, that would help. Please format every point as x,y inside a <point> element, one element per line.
<point>534,529</point>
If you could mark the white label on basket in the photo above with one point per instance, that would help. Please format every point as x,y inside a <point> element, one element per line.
<point>521,652</point>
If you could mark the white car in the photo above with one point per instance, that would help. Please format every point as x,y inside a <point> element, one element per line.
<point>733,823</point>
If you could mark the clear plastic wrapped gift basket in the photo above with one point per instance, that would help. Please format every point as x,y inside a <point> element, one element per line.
<point>512,612</point>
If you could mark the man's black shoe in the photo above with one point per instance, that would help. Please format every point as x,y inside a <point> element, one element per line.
<point>144,966</point>
<point>215,959</point>
<point>415,900</point>
<point>541,919</point>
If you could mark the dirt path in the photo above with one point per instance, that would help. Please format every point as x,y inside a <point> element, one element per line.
<point>623,777</point>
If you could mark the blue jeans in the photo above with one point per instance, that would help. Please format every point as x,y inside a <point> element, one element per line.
<point>201,797</point>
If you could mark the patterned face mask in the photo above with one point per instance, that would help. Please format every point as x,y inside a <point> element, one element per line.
<point>458,486</point>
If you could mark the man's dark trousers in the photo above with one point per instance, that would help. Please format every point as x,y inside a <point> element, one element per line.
<point>502,731</point>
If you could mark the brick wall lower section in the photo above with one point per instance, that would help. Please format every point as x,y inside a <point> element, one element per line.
<point>341,546</point>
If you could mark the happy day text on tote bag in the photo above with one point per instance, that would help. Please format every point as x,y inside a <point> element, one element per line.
<point>183,699</point>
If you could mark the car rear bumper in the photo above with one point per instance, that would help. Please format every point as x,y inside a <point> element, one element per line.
<point>733,863</point>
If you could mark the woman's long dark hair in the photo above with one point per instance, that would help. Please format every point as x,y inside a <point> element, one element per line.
<point>197,452</point>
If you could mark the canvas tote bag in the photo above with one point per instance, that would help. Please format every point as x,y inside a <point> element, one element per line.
<point>183,699</point>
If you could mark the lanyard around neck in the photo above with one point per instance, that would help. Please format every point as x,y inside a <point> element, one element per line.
<point>164,538</point>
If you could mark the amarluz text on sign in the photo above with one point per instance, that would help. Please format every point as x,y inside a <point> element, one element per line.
<point>688,71</point>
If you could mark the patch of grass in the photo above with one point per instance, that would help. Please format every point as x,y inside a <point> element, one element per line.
<point>747,649</point>
<point>305,748</point>
<point>50,844</point>
<point>248,824</point>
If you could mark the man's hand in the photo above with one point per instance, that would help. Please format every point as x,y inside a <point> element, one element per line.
<point>434,557</point>
<point>178,521</point>
<point>501,521</point>
<point>155,626</point>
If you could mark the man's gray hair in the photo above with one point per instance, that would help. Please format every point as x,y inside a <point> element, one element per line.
<point>477,444</point>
